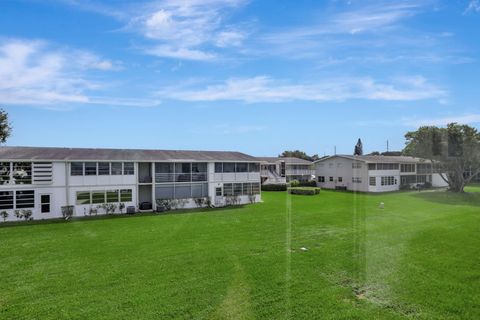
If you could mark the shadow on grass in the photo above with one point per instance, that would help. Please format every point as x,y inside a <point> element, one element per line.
<point>117,216</point>
<point>450,198</point>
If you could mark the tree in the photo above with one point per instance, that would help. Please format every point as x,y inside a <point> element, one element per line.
<point>454,152</point>
<point>5,127</point>
<point>299,154</point>
<point>358,148</point>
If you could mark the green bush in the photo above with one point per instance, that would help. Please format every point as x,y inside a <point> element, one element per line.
<point>294,183</point>
<point>274,187</point>
<point>308,191</point>
<point>310,183</point>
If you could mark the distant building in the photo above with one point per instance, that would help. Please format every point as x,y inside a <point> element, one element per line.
<point>276,170</point>
<point>374,173</point>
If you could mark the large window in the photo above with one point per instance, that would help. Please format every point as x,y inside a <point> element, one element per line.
<point>83,197</point>
<point>356,165</point>
<point>228,167</point>
<point>163,172</point>
<point>240,189</point>
<point>424,168</point>
<point>164,191</point>
<point>408,167</point>
<point>116,168</point>
<point>387,166</point>
<point>228,189</point>
<point>253,167</point>
<point>104,168</point>
<point>128,168</point>
<point>126,195</point>
<point>6,200</point>
<point>356,179</point>
<point>24,199</point>
<point>22,172</point>
<point>112,196</point>
<point>241,167</point>
<point>90,168</point>
<point>373,181</point>
<point>218,167</point>
<point>98,196</point>
<point>4,172</point>
<point>388,181</point>
<point>76,169</point>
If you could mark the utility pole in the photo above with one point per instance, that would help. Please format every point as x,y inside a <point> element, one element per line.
<point>387,146</point>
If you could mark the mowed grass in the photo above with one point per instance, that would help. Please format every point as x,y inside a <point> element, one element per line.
<point>418,257</point>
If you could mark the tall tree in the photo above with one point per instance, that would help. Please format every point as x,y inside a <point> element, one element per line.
<point>5,127</point>
<point>358,148</point>
<point>298,154</point>
<point>454,152</point>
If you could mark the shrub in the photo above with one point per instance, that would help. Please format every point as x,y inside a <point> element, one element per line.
<point>67,212</point>
<point>304,191</point>
<point>294,183</point>
<point>274,187</point>
<point>4,215</point>
<point>310,183</point>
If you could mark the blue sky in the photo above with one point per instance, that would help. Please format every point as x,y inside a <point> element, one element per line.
<point>255,76</point>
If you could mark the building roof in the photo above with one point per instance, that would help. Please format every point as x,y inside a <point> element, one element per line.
<point>287,160</point>
<point>378,159</point>
<point>90,154</point>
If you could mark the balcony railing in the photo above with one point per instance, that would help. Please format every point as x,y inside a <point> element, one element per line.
<point>180,177</point>
<point>299,172</point>
<point>146,179</point>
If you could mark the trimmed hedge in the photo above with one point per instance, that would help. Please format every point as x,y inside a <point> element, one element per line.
<point>274,187</point>
<point>307,191</point>
<point>310,183</point>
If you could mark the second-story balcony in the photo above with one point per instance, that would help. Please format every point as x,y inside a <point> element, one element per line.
<point>180,177</point>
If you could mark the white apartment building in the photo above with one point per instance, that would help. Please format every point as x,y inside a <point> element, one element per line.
<point>44,180</point>
<point>275,170</point>
<point>374,173</point>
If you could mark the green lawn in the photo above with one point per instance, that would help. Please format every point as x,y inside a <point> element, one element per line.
<point>419,257</point>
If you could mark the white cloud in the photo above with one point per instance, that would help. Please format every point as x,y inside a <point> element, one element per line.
<point>265,89</point>
<point>36,73</point>
<point>473,6</point>
<point>442,121</point>
<point>182,29</point>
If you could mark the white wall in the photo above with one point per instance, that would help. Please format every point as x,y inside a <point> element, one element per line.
<point>341,167</point>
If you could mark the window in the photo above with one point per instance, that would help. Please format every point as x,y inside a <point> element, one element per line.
<point>83,197</point>
<point>200,167</point>
<point>163,172</point>
<point>228,167</point>
<point>228,189</point>
<point>128,168</point>
<point>237,189</point>
<point>373,181</point>
<point>372,166</point>
<point>356,179</point>
<point>76,169</point>
<point>218,167</point>
<point>424,168</point>
<point>104,168</point>
<point>6,200</point>
<point>331,179</point>
<point>255,188</point>
<point>387,166</point>
<point>24,199</point>
<point>90,168</point>
<point>241,167</point>
<point>321,179</point>
<point>98,196</point>
<point>112,196</point>
<point>356,165</point>
<point>22,172</point>
<point>183,191</point>
<point>45,203</point>
<point>388,181</point>
<point>218,192</point>
<point>340,179</point>
<point>126,195</point>
<point>253,167</point>
<point>247,188</point>
<point>407,167</point>
<point>116,168</point>
<point>4,172</point>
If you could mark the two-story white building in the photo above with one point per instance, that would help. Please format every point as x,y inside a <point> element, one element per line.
<point>374,173</point>
<point>275,170</point>
<point>45,179</point>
